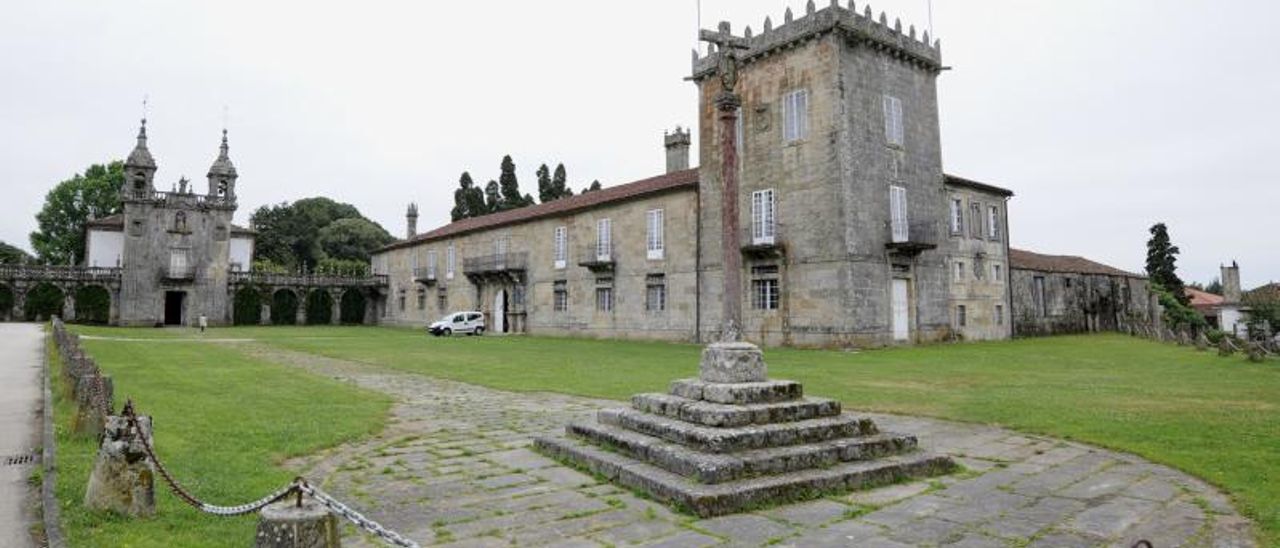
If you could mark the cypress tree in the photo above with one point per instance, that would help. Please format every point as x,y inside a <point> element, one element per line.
<point>509,186</point>
<point>462,201</point>
<point>546,192</point>
<point>559,183</point>
<point>1162,259</point>
<point>492,197</point>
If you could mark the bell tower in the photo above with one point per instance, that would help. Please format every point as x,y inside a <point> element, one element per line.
<point>139,169</point>
<point>222,174</point>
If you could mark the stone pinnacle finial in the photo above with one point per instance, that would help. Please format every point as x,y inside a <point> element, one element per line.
<point>866,12</point>
<point>787,17</point>
<point>897,25</point>
<point>809,8</point>
<point>852,8</point>
<point>768,25</point>
<point>747,33</point>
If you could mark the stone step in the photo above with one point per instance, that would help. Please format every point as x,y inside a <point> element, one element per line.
<point>724,415</point>
<point>707,500</point>
<point>726,440</point>
<point>737,393</point>
<point>720,468</point>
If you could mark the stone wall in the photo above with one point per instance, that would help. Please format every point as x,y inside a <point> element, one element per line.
<point>1079,303</point>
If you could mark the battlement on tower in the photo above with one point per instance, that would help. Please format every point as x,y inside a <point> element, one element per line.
<point>861,28</point>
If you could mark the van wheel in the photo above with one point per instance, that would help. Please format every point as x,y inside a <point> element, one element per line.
<point>479,331</point>
<point>446,332</point>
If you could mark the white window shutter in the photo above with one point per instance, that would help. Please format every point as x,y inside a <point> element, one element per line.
<point>898,213</point>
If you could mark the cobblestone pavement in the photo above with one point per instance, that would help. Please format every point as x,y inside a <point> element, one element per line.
<point>454,467</point>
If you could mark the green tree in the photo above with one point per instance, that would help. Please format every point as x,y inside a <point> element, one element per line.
<point>545,191</point>
<point>60,236</point>
<point>492,197</point>
<point>468,199</point>
<point>10,254</point>
<point>595,185</point>
<point>510,187</point>
<point>352,239</point>
<point>1214,287</point>
<point>560,183</point>
<point>289,235</point>
<point>1162,259</point>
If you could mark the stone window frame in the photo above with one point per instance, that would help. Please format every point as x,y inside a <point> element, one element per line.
<point>764,220</point>
<point>766,288</point>
<point>999,314</point>
<point>560,296</point>
<point>997,272</point>
<point>401,299</point>
<point>422,298</point>
<point>431,263</point>
<point>451,262</point>
<point>955,221</point>
<point>442,299</point>
<point>894,122</point>
<point>795,126</point>
<point>958,271</point>
<point>962,315</point>
<point>655,234</point>
<point>604,295</point>
<point>1039,296</point>
<point>560,247</point>
<point>993,222</point>
<point>975,219</point>
<point>655,294</point>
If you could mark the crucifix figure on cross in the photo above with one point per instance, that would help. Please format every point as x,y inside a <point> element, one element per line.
<point>728,62</point>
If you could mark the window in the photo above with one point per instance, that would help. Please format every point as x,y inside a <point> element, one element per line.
<point>765,288</point>
<point>898,214</point>
<point>997,273</point>
<point>562,246</point>
<point>961,316</point>
<point>604,295</point>
<point>422,298</point>
<point>993,222</point>
<point>451,262</point>
<point>178,266</point>
<point>795,116</point>
<point>975,219</point>
<point>500,246</point>
<point>654,234</point>
<point>1067,282</point>
<point>1037,294</point>
<point>442,299</point>
<point>999,314</point>
<point>604,240</point>
<point>400,300</point>
<point>431,264</point>
<point>959,271</point>
<point>655,295</point>
<point>957,216</point>
<point>893,120</point>
<point>763,229</point>
<point>517,296</point>
<point>561,300</point>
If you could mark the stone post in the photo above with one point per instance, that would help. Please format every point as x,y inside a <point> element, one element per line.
<point>335,316</point>
<point>68,304</point>
<point>123,478</point>
<point>264,315</point>
<point>287,524</point>
<point>89,418</point>
<point>727,103</point>
<point>301,316</point>
<point>1202,342</point>
<point>113,309</point>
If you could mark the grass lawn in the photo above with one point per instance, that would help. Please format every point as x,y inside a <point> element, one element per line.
<point>223,424</point>
<point>1217,418</point>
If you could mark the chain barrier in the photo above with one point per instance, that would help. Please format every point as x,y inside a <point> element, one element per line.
<point>372,527</point>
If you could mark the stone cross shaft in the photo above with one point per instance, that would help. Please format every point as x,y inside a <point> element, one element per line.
<point>728,103</point>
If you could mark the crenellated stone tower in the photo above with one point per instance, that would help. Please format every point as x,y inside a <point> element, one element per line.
<point>176,244</point>
<point>840,163</point>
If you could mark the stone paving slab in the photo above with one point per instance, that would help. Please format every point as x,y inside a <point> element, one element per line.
<point>462,474</point>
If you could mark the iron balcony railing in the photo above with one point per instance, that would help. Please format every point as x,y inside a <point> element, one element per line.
<point>912,236</point>
<point>424,274</point>
<point>498,262</point>
<point>598,254</point>
<point>761,237</point>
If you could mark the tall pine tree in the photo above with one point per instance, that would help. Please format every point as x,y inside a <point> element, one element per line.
<point>510,187</point>
<point>1162,259</point>
<point>560,184</point>
<point>462,199</point>
<point>545,191</point>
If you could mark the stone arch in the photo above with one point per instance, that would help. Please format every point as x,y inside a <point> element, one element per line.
<point>353,306</point>
<point>93,304</point>
<point>246,306</point>
<point>319,307</point>
<point>43,300</point>
<point>7,299</point>
<point>284,307</point>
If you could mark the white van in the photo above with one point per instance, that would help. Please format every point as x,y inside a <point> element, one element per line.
<point>470,322</point>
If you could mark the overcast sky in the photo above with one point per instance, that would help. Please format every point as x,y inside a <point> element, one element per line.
<point>1104,116</point>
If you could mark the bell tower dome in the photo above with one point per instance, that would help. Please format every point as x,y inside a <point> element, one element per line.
<point>139,169</point>
<point>222,174</point>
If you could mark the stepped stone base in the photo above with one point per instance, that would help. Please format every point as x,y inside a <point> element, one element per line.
<point>733,440</point>
<point>706,500</point>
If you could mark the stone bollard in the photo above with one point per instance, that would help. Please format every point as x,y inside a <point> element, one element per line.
<point>286,524</point>
<point>1202,342</point>
<point>90,416</point>
<point>1255,352</point>
<point>1225,348</point>
<point>123,478</point>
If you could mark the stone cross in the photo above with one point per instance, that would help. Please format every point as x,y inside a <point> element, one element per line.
<point>727,102</point>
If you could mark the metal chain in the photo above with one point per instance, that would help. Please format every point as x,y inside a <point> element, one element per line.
<point>185,495</point>
<point>391,537</point>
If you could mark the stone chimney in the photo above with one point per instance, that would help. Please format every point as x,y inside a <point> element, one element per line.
<point>1231,283</point>
<point>677,145</point>
<point>411,222</point>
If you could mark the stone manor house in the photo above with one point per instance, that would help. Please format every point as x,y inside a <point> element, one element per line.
<point>854,234</point>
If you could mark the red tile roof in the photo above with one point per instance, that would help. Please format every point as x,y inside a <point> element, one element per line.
<point>1027,260</point>
<point>687,179</point>
<point>1203,300</point>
